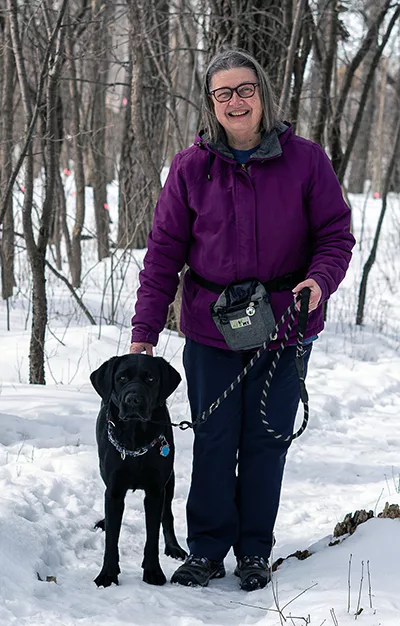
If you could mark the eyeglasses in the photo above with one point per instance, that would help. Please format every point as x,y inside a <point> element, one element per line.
<point>224,94</point>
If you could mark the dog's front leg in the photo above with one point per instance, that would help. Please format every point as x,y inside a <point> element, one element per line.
<point>172,547</point>
<point>153,506</point>
<point>114,508</point>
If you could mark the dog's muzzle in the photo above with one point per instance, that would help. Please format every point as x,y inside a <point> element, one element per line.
<point>133,402</point>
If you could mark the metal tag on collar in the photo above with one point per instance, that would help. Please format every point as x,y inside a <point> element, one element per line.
<point>164,448</point>
<point>123,455</point>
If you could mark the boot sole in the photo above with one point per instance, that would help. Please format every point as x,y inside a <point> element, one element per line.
<point>253,581</point>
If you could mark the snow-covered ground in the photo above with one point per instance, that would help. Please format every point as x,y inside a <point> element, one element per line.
<point>51,493</point>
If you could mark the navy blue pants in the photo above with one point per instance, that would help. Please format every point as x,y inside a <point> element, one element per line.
<point>237,467</point>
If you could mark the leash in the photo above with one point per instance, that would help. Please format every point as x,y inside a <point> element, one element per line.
<point>291,312</point>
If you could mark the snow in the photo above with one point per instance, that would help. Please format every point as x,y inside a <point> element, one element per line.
<point>51,494</point>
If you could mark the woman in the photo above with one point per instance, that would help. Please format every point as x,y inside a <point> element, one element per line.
<point>248,199</point>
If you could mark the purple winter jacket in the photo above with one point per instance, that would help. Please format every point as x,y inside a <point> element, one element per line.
<point>282,211</point>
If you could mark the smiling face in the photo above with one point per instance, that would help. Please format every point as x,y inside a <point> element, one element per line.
<point>240,117</point>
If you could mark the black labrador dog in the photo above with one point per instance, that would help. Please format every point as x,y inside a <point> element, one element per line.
<point>136,451</point>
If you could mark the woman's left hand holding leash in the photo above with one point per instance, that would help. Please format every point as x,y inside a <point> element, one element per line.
<point>315,295</point>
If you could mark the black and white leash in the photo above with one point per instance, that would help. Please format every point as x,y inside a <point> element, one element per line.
<point>290,313</point>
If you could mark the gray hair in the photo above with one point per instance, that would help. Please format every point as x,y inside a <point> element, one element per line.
<point>228,59</point>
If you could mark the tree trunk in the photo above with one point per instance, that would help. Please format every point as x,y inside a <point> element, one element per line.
<point>378,152</point>
<point>75,252</point>
<point>291,56</point>
<point>128,219</point>
<point>386,187</point>
<point>359,160</point>
<point>299,67</point>
<point>100,52</point>
<point>366,88</point>
<point>329,34</point>
<point>141,185</point>
<point>335,142</point>
<point>37,251</point>
<point>6,150</point>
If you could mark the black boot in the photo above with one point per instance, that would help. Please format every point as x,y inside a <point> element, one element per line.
<point>253,572</point>
<point>198,571</point>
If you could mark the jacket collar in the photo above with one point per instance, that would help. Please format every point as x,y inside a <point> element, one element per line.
<point>270,145</point>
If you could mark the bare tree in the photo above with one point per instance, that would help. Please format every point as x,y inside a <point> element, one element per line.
<point>328,24</point>
<point>145,119</point>
<point>37,249</point>
<point>101,10</point>
<point>6,150</point>
<point>73,244</point>
<point>386,187</point>
<point>335,141</point>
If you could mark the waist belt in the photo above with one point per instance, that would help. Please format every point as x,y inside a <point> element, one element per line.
<point>282,283</point>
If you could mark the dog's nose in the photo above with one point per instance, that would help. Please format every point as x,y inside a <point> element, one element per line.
<point>131,399</point>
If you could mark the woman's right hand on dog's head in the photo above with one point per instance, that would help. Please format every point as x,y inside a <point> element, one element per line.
<point>137,347</point>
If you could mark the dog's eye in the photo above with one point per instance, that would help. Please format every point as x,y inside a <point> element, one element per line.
<point>150,378</point>
<point>121,378</point>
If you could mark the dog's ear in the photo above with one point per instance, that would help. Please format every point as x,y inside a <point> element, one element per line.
<point>169,379</point>
<point>102,378</point>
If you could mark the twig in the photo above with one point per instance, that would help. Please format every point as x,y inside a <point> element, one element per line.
<point>72,290</point>
<point>334,618</point>
<point>387,484</point>
<point>298,596</point>
<point>55,336</point>
<point>274,585</point>
<point>377,502</point>
<point>360,590</point>
<point>369,585</point>
<point>254,606</point>
<point>349,584</point>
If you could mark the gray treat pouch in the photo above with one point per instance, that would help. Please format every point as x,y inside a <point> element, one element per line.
<point>243,315</point>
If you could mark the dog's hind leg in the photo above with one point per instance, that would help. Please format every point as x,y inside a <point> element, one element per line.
<point>172,547</point>
<point>153,506</point>
<point>114,509</point>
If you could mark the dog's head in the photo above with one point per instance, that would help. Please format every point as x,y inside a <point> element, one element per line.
<point>135,383</point>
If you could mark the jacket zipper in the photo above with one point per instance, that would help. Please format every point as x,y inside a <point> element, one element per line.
<point>245,168</point>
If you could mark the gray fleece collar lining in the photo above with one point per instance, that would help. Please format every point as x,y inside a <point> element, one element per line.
<point>270,145</point>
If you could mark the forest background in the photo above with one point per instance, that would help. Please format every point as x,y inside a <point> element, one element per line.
<point>105,93</point>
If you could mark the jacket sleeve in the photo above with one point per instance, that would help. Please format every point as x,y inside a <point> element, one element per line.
<point>329,219</point>
<point>167,250</point>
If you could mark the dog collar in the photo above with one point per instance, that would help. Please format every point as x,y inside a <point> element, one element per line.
<point>161,440</point>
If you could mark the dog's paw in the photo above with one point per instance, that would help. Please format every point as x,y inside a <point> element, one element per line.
<point>154,577</point>
<point>100,524</point>
<point>107,577</point>
<point>175,551</point>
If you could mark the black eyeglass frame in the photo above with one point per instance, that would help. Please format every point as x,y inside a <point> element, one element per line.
<point>233,90</point>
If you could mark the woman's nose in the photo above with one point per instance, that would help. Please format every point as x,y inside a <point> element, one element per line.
<point>235,99</point>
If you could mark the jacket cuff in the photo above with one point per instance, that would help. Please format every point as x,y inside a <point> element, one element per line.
<point>323,286</point>
<point>142,336</point>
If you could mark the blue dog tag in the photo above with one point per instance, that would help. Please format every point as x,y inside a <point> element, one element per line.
<point>164,450</point>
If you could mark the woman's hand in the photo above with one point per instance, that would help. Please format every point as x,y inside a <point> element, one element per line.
<point>137,347</point>
<point>315,295</point>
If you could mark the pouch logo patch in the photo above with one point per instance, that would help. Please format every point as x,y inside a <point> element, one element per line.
<point>240,323</point>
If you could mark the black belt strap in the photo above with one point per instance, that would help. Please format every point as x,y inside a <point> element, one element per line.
<point>282,283</point>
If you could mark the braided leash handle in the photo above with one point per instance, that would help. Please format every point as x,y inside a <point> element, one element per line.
<point>304,298</point>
